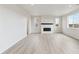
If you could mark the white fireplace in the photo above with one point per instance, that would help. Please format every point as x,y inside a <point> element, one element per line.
<point>47,28</point>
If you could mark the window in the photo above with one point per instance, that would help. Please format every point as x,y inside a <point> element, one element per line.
<point>70,21</point>
<point>73,21</point>
<point>57,21</point>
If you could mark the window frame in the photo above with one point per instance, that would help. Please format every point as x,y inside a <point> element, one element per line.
<point>72,15</point>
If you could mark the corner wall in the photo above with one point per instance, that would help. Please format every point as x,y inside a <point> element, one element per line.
<point>13,27</point>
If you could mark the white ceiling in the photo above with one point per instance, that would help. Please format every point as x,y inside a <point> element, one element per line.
<point>50,9</point>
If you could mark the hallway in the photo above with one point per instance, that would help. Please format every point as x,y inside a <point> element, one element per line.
<point>45,43</point>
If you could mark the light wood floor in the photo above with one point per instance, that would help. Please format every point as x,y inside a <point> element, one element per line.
<point>45,44</point>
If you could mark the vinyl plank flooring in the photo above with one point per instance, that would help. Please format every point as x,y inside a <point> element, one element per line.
<point>45,44</point>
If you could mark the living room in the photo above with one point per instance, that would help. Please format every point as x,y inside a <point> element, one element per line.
<point>39,28</point>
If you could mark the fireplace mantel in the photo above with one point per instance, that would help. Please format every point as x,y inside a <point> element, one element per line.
<point>47,25</point>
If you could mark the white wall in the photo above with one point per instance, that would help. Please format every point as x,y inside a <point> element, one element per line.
<point>43,19</point>
<point>35,25</point>
<point>71,32</point>
<point>37,20</point>
<point>48,19</point>
<point>13,27</point>
<point>58,29</point>
<point>52,19</point>
<point>29,25</point>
